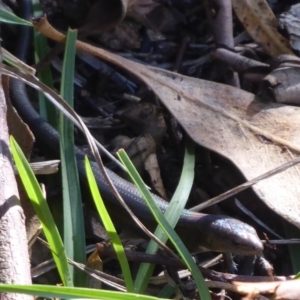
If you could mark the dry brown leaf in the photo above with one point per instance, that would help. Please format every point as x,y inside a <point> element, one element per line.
<point>256,136</point>
<point>142,151</point>
<point>137,148</point>
<point>261,24</point>
<point>290,22</point>
<point>152,167</point>
<point>282,83</point>
<point>287,290</point>
<point>94,262</point>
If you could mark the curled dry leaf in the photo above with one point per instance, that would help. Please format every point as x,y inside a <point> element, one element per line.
<point>257,136</point>
<point>290,21</point>
<point>287,290</point>
<point>261,24</point>
<point>152,167</point>
<point>94,262</point>
<point>138,149</point>
<point>282,84</point>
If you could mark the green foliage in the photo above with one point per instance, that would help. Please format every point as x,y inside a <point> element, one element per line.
<point>172,214</point>
<point>109,226</point>
<point>66,292</point>
<point>42,210</point>
<point>11,18</point>
<point>169,231</point>
<point>74,234</point>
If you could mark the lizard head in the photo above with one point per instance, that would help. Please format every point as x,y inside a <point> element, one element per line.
<point>224,234</point>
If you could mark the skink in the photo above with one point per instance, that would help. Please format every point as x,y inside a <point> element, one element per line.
<point>198,231</point>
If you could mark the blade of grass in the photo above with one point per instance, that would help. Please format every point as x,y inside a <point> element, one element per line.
<point>167,291</point>
<point>42,210</point>
<point>159,217</point>
<point>172,213</point>
<point>46,109</point>
<point>63,292</point>
<point>15,62</point>
<point>109,226</point>
<point>292,232</point>
<point>74,235</point>
<point>11,18</point>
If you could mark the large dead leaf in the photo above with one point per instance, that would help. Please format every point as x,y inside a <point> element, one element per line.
<point>261,24</point>
<point>256,136</point>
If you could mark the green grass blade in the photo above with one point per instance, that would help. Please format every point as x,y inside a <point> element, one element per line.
<point>109,226</point>
<point>46,109</point>
<point>15,62</point>
<point>42,210</point>
<point>74,234</point>
<point>167,291</point>
<point>293,232</point>
<point>51,291</point>
<point>11,18</point>
<point>172,214</point>
<point>172,235</point>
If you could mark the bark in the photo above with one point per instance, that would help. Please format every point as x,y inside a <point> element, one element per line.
<point>14,258</point>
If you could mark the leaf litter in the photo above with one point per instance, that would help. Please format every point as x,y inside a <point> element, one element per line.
<point>256,135</point>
